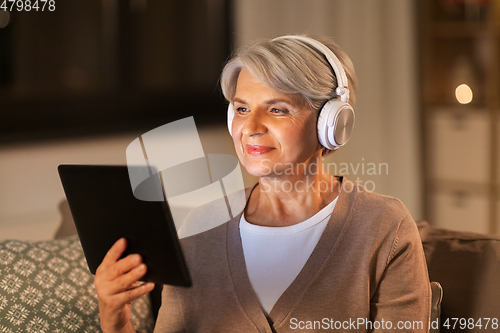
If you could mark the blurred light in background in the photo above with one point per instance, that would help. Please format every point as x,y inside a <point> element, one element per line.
<point>465,79</point>
<point>4,18</point>
<point>463,93</point>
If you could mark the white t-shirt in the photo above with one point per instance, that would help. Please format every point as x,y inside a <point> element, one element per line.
<point>274,256</point>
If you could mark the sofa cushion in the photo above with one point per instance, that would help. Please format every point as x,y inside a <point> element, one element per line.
<point>47,287</point>
<point>467,265</point>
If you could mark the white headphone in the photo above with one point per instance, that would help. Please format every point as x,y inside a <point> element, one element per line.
<point>336,117</point>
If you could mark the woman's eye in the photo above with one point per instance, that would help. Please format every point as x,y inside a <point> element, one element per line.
<point>279,111</point>
<point>241,109</point>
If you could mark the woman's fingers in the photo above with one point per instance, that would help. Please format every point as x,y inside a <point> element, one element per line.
<point>126,281</point>
<point>116,275</point>
<point>116,285</point>
<point>132,294</point>
<point>133,285</point>
<point>113,254</point>
<point>119,300</point>
<point>123,266</point>
<point>112,266</point>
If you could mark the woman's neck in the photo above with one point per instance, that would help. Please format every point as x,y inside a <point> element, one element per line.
<point>291,198</point>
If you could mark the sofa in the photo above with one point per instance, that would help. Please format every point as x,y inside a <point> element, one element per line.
<point>467,267</point>
<point>46,286</point>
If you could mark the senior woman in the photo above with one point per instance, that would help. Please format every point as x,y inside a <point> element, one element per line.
<point>311,251</point>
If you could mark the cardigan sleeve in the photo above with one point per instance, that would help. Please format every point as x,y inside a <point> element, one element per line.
<point>170,319</point>
<point>403,296</point>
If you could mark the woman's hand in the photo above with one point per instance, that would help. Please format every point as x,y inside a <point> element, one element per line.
<point>116,285</point>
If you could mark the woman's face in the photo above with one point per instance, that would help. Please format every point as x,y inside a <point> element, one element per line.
<point>272,131</point>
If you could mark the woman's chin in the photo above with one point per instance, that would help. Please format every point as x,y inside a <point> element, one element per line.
<point>258,172</point>
<point>257,167</point>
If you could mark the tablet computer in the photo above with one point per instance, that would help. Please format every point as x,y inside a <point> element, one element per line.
<point>105,209</point>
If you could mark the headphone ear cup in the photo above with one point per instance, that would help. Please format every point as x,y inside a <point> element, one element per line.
<point>335,124</point>
<point>323,127</point>
<point>230,116</point>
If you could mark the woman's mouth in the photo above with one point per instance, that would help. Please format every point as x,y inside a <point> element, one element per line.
<point>255,150</point>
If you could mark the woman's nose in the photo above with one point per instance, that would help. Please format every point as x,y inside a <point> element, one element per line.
<point>254,124</point>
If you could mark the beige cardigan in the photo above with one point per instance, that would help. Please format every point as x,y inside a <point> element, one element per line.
<point>368,265</point>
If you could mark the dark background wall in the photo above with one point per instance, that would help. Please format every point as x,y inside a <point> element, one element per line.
<point>103,66</point>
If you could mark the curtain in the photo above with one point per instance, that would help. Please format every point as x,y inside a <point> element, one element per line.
<point>380,37</point>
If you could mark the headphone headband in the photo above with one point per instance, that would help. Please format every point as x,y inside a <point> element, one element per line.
<point>342,89</point>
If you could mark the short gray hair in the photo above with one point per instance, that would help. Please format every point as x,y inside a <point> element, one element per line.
<point>290,66</point>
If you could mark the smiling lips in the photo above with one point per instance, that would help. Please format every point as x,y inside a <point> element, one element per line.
<point>255,150</point>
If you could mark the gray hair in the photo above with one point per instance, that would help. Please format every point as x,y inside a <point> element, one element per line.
<point>291,66</point>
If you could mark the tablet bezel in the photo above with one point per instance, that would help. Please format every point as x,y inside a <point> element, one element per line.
<point>104,210</point>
